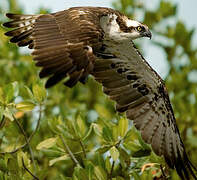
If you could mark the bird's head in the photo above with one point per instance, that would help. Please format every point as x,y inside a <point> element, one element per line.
<point>121,28</point>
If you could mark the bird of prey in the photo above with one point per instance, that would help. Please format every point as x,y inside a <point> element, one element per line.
<point>81,41</point>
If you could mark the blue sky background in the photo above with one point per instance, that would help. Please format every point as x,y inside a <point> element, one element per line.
<point>186,11</point>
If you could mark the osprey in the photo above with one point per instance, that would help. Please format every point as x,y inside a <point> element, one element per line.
<point>99,41</point>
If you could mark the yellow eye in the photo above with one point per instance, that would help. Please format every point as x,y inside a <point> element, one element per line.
<point>139,28</point>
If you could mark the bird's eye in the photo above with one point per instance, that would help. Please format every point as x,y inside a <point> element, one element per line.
<point>139,28</point>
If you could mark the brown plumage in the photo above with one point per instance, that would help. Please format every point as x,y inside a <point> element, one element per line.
<point>73,43</point>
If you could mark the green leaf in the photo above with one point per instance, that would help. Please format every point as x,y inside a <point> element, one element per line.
<point>76,126</point>
<point>3,165</point>
<point>2,98</point>
<point>141,153</point>
<point>89,167</point>
<point>131,135</point>
<point>1,112</point>
<point>88,133</point>
<point>107,134</point>
<point>135,175</point>
<point>124,156</point>
<point>47,143</point>
<point>25,106</point>
<point>143,144</point>
<point>108,164</point>
<point>103,149</point>
<point>134,146</point>
<point>23,157</point>
<point>155,158</point>
<point>66,132</point>
<point>100,160</point>
<point>114,153</point>
<point>81,127</point>
<point>80,173</point>
<point>97,129</point>
<point>61,158</point>
<point>100,173</point>
<point>123,126</point>
<point>39,93</point>
<point>115,132</point>
<point>54,123</point>
<point>11,91</point>
<point>119,178</point>
<point>29,92</point>
<point>12,165</point>
<point>8,114</point>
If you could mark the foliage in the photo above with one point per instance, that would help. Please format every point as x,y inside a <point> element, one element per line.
<point>64,133</point>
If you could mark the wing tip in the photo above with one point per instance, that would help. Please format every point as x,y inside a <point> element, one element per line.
<point>185,169</point>
<point>6,24</point>
<point>9,15</point>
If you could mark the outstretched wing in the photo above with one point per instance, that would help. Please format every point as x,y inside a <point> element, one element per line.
<point>139,91</point>
<point>63,42</point>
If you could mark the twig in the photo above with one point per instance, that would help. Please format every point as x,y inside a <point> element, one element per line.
<point>15,150</point>
<point>30,137</point>
<point>69,152</point>
<point>112,168</point>
<point>2,121</point>
<point>162,171</point>
<point>21,129</point>
<point>27,141</point>
<point>38,123</point>
<point>29,170</point>
<point>83,148</point>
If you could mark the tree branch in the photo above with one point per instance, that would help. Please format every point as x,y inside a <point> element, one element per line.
<point>69,151</point>
<point>83,148</point>
<point>30,137</point>
<point>27,141</point>
<point>29,171</point>
<point>162,172</point>
<point>112,168</point>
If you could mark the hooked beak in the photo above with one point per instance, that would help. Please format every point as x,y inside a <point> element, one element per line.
<point>148,34</point>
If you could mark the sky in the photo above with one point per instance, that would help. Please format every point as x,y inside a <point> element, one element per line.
<point>154,55</point>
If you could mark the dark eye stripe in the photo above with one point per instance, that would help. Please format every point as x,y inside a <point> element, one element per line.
<point>123,26</point>
<point>143,29</point>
